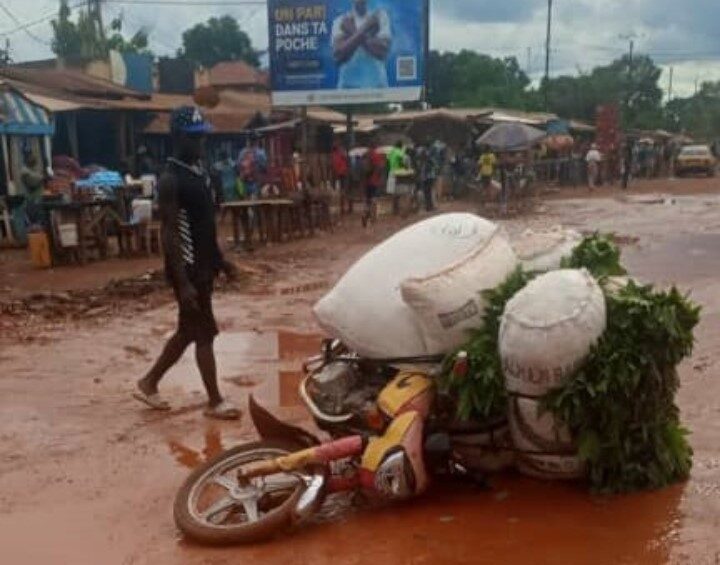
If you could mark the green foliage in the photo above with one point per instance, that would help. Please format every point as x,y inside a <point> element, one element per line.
<point>220,39</point>
<point>621,405</point>
<point>598,254</point>
<point>633,86</point>
<point>699,115</point>
<point>83,38</point>
<point>480,395</point>
<point>470,79</point>
<point>138,43</point>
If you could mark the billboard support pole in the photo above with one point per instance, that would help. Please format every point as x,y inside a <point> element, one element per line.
<point>304,145</point>
<point>426,47</point>
<point>346,203</point>
<point>349,129</point>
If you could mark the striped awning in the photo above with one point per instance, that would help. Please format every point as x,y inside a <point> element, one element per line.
<point>20,116</point>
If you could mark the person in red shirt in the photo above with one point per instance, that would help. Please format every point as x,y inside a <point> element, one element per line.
<point>341,174</point>
<point>375,171</point>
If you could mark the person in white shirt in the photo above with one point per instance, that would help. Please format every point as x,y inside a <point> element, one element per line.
<point>593,159</point>
<point>361,42</point>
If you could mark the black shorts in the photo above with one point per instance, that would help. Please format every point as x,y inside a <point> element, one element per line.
<point>371,193</point>
<point>198,326</point>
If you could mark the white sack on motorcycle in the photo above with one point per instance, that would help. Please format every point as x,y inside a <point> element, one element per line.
<point>544,250</point>
<point>546,333</point>
<point>366,309</point>
<point>548,329</point>
<point>449,303</point>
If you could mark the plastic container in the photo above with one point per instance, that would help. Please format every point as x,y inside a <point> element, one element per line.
<point>68,235</point>
<point>39,247</point>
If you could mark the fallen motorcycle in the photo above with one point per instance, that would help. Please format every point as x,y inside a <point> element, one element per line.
<point>388,436</point>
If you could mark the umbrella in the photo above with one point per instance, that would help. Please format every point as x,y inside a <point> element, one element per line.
<point>510,137</point>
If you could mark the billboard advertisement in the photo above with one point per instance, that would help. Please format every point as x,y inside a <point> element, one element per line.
<point>347,51</point>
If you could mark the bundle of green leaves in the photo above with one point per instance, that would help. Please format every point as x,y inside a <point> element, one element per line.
<point>620,405</point>
<point>480,395</point>
<point>598,254</point>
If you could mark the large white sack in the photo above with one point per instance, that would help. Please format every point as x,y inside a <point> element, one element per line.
<point>449,303</point>
<point>548,328</point>
<point>544,250</point>
<point>545,447</point>
<point>366,309</point>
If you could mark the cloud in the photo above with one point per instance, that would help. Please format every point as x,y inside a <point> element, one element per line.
<point>486,11</point>
<point>586,33</point>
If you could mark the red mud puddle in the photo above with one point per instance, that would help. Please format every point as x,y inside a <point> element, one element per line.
<point>267,365</point>
<point>518,521</point>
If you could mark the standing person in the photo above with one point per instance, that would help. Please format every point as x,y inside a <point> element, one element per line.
<point>33,182</point>
<point>428,175</point>
<point>252,165</point>
<point>192,261</point>
<point>593,159</point>
<point>396,161</point>
<point>226,170</point>
<point>145,162</point>
<point>486,166</point>
<point>374,173</point>
<point>341,174</point>
<point>627,163</point>
<point>361,41</point>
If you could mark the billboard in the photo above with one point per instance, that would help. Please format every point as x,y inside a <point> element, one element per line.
<point>347,51</point>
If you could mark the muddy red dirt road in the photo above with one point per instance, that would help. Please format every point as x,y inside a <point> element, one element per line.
<point>87,476</point>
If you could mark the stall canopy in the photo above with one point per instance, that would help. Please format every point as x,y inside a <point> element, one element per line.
<point>20,116</point>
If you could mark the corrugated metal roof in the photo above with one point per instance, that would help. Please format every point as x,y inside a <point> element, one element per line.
<point>54,104</point>
<point>69,81</point>
<point>21,116</point>
<point>237,73</point>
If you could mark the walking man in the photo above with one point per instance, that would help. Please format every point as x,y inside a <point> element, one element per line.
<point>593,159</point>
<point>192,261</point>
<point>374,173</point>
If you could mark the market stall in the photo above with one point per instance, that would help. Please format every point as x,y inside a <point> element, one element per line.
<point>26,129</point>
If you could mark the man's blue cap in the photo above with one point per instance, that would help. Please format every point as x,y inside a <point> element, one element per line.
<point>188,119</point>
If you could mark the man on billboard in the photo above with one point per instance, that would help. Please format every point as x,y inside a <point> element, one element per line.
<point>361,41</point>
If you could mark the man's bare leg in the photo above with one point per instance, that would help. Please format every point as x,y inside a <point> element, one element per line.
<point>205,357</point>
<point>174,349</point>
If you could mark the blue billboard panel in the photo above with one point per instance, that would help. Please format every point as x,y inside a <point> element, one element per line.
<point>347,51</point>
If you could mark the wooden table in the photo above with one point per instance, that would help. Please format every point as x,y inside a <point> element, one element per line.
<point>270,218</point>
<point>90,217</point>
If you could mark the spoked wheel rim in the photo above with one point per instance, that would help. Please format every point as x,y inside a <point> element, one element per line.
<point>218,500</point>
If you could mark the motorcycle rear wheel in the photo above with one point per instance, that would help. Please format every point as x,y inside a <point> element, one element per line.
<point>240,514</point>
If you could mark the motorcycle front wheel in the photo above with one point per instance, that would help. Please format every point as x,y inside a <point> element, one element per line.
<point>213,508</point>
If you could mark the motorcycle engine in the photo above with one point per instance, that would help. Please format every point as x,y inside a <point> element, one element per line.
<point>341,388</point>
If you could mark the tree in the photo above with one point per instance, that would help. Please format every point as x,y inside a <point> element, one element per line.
<point>698,115</point>
<point>138,43</point>
<point>66,38</point>
<point>472,80</point>
<point>220,39</point>
<point>632,85</point>
<point>83,39</point>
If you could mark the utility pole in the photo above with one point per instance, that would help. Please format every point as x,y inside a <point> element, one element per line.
<point>697,82</point>
<point>547,53</point>
<point>5,58</point>
<point>528,69</point>
<point>94,10</point>
<point>670,84</point>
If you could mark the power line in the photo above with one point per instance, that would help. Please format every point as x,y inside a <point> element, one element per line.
<point>43,19</point>
<point>206,3</point>
<point>18,22</point>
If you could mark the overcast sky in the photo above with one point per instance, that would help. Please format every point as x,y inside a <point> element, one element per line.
<point>681,33</point>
